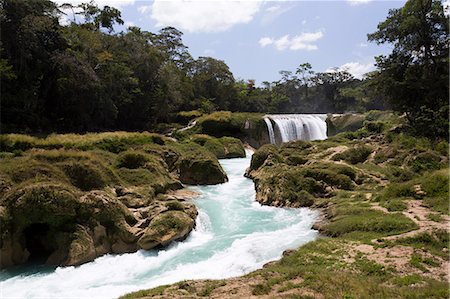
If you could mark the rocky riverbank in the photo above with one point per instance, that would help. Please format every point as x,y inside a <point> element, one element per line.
<point>384,197</point>
<point>67,199</point>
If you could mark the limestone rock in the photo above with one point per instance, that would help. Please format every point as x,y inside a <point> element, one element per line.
<point>165,228</point>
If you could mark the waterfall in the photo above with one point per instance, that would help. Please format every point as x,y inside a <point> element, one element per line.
<point>270,129</point>
<point>296,127</point>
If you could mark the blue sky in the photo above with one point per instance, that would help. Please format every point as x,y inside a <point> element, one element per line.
<point>257,39</point>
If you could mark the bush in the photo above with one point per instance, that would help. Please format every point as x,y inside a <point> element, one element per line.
<point>303,198</point>
<point>374,126</point>
<point>132,160</point>
<point>442,148</point>
<point>330,177</point>
<point>394,205</point>
<point>398,174</point>
<point>174,205</point>
<point>425,161</point>
<point>84,175</point>
<point>354,155</point>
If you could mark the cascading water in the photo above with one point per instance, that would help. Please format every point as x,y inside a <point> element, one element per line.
<point>234,236</point>
<point>296,127</point>
<point>270,129</point>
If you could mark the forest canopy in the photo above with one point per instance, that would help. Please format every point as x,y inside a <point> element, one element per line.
<point>85,76</point>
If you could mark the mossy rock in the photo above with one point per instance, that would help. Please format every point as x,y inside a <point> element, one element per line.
<point>84,175</point>
<point>260,156</point>
<point>166,228</point>
<point>233,147</point>
<point>355,155</point>
<point>201,171</point>
<point>131,160</point>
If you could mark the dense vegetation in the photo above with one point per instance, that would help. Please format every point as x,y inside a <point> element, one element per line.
<point>84,76</point>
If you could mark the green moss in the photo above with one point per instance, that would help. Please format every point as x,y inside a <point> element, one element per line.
<point>354,155</point>
<point>260,156</point>
<point>174,205</point>
<point>132,160</point>
<point>84,175</point>
<point>233,147</point>
<point>225,123</point>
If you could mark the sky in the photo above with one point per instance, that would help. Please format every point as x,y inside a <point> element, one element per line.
<point>257,38</point>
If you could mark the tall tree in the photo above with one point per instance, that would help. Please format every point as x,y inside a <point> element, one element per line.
<point>414,77</point>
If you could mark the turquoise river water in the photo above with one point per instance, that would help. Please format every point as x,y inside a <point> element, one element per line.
<point>234,235</point>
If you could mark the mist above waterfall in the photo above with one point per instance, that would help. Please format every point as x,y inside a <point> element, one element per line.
<point>288,127</point>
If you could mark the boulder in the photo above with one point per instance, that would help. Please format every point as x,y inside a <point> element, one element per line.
<point>165,228</point>
<point>201,171</point>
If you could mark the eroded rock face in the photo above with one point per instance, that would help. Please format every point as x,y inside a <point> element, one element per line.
<point>55,224</point>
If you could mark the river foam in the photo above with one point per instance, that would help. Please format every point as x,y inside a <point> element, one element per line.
<point>234,235</point>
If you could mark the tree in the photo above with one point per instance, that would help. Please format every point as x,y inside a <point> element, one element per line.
<point>305,72</point>
<point>414,77</point>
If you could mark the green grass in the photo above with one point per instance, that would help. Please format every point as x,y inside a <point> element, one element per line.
<point>436,243</point>
<point>144,293</point>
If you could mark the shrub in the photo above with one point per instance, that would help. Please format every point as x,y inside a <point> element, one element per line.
<point>132,160</point>
<point>261,289</point>
<point>303,198</point>
<point>442,148</point>
<point>174,205</point>
<point>394,205</point>
<point>395,190</point>
<point>84,175</point>
<point>374,126</point>
<point>425,161</point>
<point>398,174</point>
<point>354,155</point>
<point>330,177</point>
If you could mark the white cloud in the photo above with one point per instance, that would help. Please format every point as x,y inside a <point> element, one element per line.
<point>265,41</point>
<point>145,9</point>
<point>363,45</point>
<point>202,16</point>
<point>275,11</point>
<point>129,24</point>
<point>358,2</point>
<point>304,41</point>
<point>273,8</point>
<point>303,22</point>
<point>358,70</point>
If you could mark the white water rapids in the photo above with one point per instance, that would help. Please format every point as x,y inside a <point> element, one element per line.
<point>296,127</point>
<point>234,236</point>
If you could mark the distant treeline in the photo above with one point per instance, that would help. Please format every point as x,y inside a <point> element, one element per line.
<point>85,77</point>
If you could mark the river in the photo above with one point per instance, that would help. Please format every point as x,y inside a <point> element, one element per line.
<point>234,235</point>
